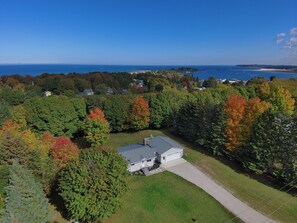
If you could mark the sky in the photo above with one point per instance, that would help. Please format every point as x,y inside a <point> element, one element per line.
<point>148,32</point>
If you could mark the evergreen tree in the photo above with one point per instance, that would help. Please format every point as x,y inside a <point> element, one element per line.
<point>273,146</point>
<point>187,121</point>
<point>25,201</point>
<point>217,138</point>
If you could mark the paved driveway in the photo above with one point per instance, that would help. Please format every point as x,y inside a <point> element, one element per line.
<point>240,209</point>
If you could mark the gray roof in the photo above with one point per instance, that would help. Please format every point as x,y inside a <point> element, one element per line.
<point>161,144</point>
<point>136,152</point>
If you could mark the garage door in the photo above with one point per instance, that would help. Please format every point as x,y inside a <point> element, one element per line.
<point>173,157</point>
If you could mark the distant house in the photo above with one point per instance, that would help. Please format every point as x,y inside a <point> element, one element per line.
<point>86,92</point>
<point>109,90</point>
<point>154,150</point>
<point>47,93</point>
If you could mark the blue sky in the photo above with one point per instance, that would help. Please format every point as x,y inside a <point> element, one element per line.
<point>148,32</point>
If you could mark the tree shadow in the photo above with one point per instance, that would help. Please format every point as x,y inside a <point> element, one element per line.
<point>56,200</point>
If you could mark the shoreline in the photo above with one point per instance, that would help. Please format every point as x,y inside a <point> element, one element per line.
<point>277,70</point>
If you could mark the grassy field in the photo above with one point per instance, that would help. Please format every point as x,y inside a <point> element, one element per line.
<point>165,197</point>
<point>258,195</point>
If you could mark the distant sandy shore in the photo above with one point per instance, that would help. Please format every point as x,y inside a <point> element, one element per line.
<point>273,69</point>
<point>140,71</point>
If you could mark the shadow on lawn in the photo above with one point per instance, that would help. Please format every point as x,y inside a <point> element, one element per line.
<point>235,165</point>
<point>57,201</point>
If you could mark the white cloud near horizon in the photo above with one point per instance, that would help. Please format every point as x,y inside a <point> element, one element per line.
<point>288,42</point>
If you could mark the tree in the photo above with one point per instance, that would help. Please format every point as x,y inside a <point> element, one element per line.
<point>65,84</point>
<point>13,145</point>
<point>272,148</point>
<point>211,82</point>
<point>92,186</point>
<point>63,150</point>
<point>81,84</point>
<point>96,127</point>
<point>116,110</point>
<point>13,97</point>
<point>58,115</point>
<point>159,110</point>
<point>234,108</point>
<point>18,115</point>
<point>187,121</point>
<point>4,111</point>
<point>254,108</point>
<point>25,200</point>
<point>217,138</point>
<point>139,117</point>
<point>282,100</point>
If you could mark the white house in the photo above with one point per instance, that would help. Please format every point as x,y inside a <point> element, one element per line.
<point>154,150</point>
<point>47,93</point>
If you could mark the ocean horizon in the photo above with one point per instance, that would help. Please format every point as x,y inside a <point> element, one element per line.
<point>204,71</point>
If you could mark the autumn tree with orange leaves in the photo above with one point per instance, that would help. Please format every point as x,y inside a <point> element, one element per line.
<point>241,115</point>
<point>254,108</point>
<point>96,127</point>
<point>234,108</point>
<point>139,117</point>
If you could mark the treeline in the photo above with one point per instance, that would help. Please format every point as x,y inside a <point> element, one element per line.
<point>259,132</point>
<point>99,82</point>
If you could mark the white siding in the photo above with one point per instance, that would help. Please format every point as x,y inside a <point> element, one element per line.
<point>140,165</point>
<point>171,154</point>
<point>134,167</point>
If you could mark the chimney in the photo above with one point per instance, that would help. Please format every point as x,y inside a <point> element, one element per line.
<point>145,141</point>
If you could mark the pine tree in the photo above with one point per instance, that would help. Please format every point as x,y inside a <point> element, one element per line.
<point>217,138</point>
<point>25,201</point>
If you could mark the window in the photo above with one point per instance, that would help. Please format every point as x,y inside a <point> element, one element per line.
<point>149,160</point>
<point>163,157</point>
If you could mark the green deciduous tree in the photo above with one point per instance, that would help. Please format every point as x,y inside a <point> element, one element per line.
<point>96,128</point>
<point>25,201</point>
<point>18,115</point>
<point>159,110</point>
<point>4,111</point>
<point>13,97</point>
<point>116,110</point>
<point>92,186</point>
<point>58,115</point>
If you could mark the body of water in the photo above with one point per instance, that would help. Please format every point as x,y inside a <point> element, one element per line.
<point>219,72</point>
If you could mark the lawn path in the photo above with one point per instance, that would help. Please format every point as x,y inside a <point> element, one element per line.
<point>240,209</point>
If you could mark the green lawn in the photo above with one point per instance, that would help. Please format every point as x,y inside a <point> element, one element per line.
<point>165,197</point>
<point>258,195</point>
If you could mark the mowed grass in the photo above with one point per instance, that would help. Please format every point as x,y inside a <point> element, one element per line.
<point>165,197</point>
<point>276,204</point>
